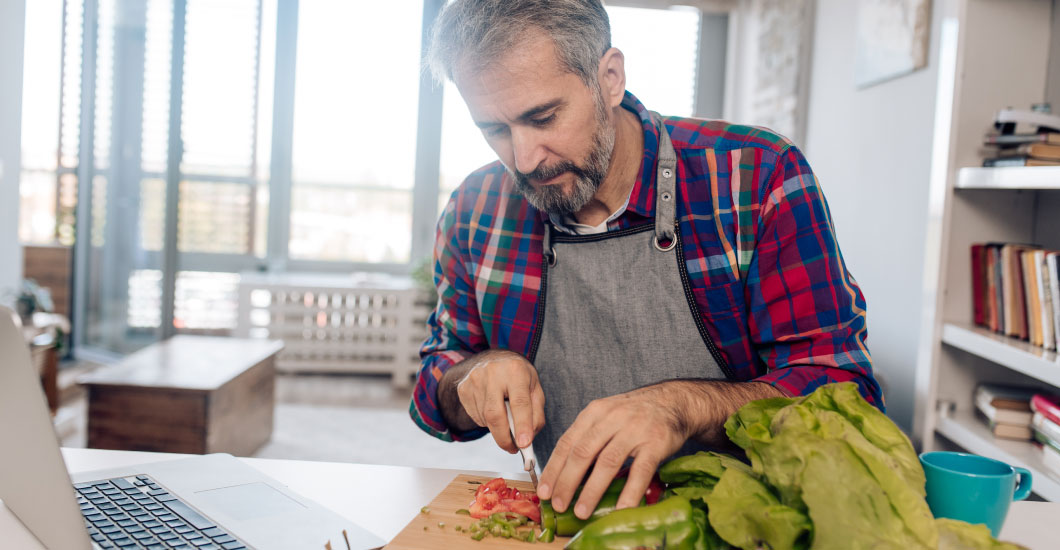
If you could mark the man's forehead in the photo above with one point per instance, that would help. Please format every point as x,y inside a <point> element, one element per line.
<point>533,56</point>
<point>529,75</point>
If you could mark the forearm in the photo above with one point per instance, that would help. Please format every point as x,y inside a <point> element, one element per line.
<point>701,407</point>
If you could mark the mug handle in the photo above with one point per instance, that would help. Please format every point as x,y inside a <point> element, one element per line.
<point>1023,490</point>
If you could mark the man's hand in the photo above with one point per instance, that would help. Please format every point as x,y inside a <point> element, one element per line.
<point>473,392</point>
<point>648,424</point>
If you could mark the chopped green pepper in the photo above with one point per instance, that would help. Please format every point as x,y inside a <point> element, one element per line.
<point>566,523</point>
<point>671,523</point>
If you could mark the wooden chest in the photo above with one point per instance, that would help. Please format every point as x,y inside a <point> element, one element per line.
<point>188,394</point>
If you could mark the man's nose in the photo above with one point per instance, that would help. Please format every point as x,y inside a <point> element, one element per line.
<point>528,149</point>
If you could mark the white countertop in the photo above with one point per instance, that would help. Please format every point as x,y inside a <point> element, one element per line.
<point>351,490</point>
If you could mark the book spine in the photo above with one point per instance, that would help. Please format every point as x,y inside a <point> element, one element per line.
<point>982,402</point>
<point>1046,301</point>
<point>1051,458</point>
<point>1054,291</point>
<point>1044,440</point>
<point>1040,404</point>
<point>1046,427</point>
<point>1031,303</point>
<point>978,284</point>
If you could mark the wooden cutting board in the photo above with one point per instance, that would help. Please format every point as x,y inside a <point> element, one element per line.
<point>458,494</point>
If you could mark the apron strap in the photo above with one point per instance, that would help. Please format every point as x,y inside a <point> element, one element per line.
<point>665,186</point>
<point>546,245</point>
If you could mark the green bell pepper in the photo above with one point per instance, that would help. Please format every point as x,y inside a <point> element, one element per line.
<point>566,523</point>
<point>670,524</point>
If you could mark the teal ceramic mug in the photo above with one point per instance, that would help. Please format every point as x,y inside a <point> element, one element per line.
<point>973,488</point>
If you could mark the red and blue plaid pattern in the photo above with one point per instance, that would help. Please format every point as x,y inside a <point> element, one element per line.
<point>760,250</point>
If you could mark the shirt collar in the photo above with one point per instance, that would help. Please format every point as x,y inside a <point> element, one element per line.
<point>642,196</point>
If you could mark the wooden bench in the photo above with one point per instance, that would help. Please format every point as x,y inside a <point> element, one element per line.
<point>188,394</point>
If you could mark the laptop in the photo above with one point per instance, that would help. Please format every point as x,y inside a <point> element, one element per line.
<point>204,502</point>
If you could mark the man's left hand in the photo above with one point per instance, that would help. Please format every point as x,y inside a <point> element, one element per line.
<point>648,424</point>
<point>642,424</point>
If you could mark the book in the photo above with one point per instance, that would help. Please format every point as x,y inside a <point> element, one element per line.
<point>1046,405</point>
<point>1003,396</point>
<point>1046,300</point>
<point>1053,268</point>
<point>1004,140</point>
<point>1018,160</point>
<point>1004,417</point>
<point>994,303</point>
<point>1051,459</point>
<point>1011,431</point>
<point>1042,151</point>
<point>1015,310</point>
<point>1046,428</point>
<point>1042,439</point>
<point>1031,302</point>
<point>979,296</point>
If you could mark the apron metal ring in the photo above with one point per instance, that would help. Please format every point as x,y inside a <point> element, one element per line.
<point>664,248</point>
<point>551,256</point>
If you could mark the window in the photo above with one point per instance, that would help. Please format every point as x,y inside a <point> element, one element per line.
<point>344,193</point>
<point>355,130</point>
<point>40,115</point>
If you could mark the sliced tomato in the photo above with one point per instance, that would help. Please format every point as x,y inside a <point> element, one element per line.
<point>526,508</point>
<point>494,484</point>
<point>495,496</point>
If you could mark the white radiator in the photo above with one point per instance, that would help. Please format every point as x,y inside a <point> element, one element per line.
<point>362,323</point>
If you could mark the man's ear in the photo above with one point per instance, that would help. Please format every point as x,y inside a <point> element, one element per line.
<point>612,76</point>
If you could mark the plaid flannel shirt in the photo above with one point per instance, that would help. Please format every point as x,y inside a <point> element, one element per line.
<point>760,250</point>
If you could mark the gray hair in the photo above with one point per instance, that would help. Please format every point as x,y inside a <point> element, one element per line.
<point>474,33</point>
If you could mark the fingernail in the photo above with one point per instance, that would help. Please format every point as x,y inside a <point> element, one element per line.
<point>581,511</point>
<point>524,440</point>
<point>544,491</point>
<point>557,505</point>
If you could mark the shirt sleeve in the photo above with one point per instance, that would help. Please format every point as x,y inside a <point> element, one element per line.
<point>455,330</point>
<point>806,313</point>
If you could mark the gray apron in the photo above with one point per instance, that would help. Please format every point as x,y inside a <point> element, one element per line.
<point>618,313</point>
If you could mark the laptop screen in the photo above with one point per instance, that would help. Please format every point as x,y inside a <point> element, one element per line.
<point>34,483</point>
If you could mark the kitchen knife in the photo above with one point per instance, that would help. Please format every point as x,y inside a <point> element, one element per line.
<point>529,458</point>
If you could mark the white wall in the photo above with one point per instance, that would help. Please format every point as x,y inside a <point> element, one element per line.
<point>12,24</point>
<point>871,150</point>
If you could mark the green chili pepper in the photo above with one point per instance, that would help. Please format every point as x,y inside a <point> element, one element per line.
<point>546,536</point>
<point>671,524</point>
<point>478,536</point>
<point>463,512</point>
<point>566,523</point>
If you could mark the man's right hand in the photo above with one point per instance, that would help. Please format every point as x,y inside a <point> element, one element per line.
<point>472,394</point>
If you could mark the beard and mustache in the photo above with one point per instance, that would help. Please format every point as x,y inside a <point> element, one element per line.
<point>553,199</point>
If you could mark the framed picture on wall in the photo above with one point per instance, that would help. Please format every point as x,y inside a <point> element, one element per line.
<point>892,40</point>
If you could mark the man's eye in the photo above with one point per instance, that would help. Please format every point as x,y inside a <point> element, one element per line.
<point>543,121</point>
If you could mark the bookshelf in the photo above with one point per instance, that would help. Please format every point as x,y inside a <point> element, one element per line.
<point>993,54</point>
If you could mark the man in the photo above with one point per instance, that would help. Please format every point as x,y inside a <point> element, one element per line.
<point>624,281</point>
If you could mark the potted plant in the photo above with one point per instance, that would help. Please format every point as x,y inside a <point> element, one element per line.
<point>32,298</point>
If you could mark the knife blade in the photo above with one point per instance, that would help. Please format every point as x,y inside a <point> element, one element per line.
<point>529,458</point>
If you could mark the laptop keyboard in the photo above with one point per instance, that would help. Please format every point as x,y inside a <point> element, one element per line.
<point>136,512</point>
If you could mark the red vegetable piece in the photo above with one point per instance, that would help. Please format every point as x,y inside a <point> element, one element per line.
<point>655,490</point>
<point>526,508</point>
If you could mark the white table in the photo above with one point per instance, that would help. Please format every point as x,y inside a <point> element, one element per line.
<point>352,491</point>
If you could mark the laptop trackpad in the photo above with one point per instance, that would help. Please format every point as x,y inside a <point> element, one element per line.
<point>250,501</point>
